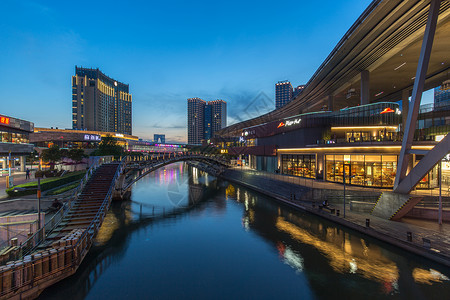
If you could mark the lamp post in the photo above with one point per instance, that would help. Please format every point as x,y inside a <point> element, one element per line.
<point>344,187</point>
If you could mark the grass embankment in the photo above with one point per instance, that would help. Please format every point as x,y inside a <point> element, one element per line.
<point>64,188</point>
<point>30,188</point>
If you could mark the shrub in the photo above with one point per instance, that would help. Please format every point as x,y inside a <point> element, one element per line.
<point>46,184</point>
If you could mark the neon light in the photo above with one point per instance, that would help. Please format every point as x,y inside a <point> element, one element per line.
<point>387,110</point>
<point>4,120</point>
<point>293,122</point>
<point>281,125</point>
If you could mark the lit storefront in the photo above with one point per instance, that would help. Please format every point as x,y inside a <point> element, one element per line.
<point>361,169</point>
<point>299,165</point>
<point>14,141</point>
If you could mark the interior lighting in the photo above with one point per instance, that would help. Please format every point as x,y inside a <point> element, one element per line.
<point>380,93</point>
<point>400,66</point>
<point>445,85</point>
<point>364,127</point>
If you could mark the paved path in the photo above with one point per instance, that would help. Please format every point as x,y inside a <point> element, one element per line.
<point>390,231</point>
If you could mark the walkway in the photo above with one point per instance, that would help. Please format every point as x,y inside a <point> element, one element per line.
<point>389,231</point>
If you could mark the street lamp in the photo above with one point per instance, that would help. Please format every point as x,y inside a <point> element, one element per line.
<point>344,188</point>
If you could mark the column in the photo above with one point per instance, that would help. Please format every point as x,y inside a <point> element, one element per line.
<point>416,95</point>
<point>365,87</point>
<point>330,99</point>
<point>405,107</point>
<point>23,163</point>
<point>4,165</point>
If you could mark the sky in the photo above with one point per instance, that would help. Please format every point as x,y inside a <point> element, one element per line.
<point>167,51</point>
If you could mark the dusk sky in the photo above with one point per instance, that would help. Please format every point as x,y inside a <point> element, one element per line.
<point>167,51</point>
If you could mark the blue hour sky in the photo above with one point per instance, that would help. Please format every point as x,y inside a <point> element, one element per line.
<point>167,51</point>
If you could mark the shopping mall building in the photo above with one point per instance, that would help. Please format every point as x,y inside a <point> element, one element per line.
<point>364,141</point>
<point>359,116</point>
<point>14,141</point>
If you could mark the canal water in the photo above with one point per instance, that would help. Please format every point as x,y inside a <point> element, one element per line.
<point>186,234</point>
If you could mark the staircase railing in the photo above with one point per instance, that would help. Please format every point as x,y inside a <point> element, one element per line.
<point>40,235</point>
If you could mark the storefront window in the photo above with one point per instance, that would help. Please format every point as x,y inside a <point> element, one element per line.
<point>357,170</point>
<point>299,165</point>
<point>329,167</point>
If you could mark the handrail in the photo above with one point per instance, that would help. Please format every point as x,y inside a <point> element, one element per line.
<point>39,236</point>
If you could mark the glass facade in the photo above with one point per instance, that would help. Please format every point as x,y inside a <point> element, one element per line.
<point>299,165</point>
<point>11,137</point>
<point>366,170</point>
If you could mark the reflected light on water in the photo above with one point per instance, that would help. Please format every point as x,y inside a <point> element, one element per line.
<point>377,267</point>
<point>428,276</point>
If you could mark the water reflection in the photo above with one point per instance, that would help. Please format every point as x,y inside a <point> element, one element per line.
<point>280,253</point>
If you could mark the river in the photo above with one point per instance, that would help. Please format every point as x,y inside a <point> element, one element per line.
<point>185,234</point>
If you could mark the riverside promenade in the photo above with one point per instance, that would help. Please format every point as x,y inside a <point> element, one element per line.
<point>427,239</point>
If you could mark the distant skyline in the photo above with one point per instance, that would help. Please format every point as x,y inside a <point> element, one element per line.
<point>167,53</point>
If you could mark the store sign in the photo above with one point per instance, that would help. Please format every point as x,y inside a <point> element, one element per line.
<point>92,137</point>
<point>223,151</point>
<point>4,120</point>
<point>119,135</point>
<point>281,124</point>
<point>293,122</point>
<point>387,110</point>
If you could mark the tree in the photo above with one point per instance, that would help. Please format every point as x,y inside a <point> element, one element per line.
<point>52,155</point>
<point>76,155</point>
<point>109,146</point>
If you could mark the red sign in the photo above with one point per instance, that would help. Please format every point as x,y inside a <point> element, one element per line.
<point>281,125</point>
<point>387,110</point>
<point>4,120</point>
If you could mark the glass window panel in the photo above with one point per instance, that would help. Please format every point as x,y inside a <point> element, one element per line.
<point>373,158</point>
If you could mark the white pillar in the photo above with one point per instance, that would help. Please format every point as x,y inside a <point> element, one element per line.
<point>365,96</point>
<point>23,163</point>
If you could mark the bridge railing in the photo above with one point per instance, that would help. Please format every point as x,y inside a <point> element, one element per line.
<point>57,262</point>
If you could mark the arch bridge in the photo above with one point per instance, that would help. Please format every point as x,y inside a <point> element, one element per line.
<point>145,165</point>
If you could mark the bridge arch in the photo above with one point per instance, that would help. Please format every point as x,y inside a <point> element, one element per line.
<point>123,187</point>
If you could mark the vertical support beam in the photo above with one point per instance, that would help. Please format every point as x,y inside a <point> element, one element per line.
<point>405,107</point>
<point>416,96</point>
<point>330,99</point>
<point>364,87</point>
<point>22,163</point>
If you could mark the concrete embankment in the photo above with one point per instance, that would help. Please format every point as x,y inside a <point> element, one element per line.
<point>429,243</point>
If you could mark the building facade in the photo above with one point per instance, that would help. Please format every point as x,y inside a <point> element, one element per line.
<point>100,103</point>
<point>361,143</point>
<point>208,122</point>
<point>205,118</point>
<point>283,93</point>
<point>441,98</point>
<point>159,138</point>
<point>14,141</point>
<point>195,119</point>
<point>218,115</point>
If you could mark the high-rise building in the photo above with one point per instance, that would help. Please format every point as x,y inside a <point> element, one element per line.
<point>283,93</point>
<point>205,118</point>
<point>218,115</point>
<point>297,91</point>
<point>441,99</point>
<point>159,138</point>
<point>195,118</point>
<point>100,103</point>
<point>208,121</point>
